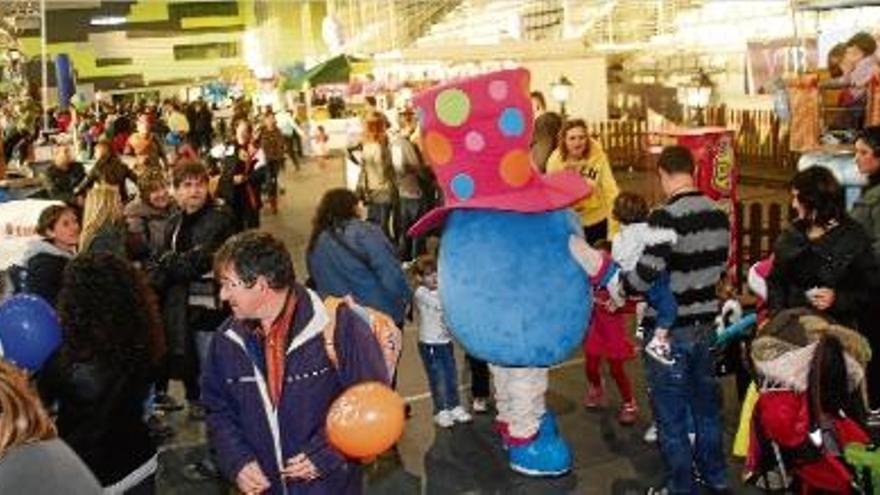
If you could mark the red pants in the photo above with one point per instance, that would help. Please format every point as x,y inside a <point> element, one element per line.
<point>617,372</point>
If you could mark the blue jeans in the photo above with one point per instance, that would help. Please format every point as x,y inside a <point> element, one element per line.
<point>380,214</point>
<point>439,363</point>
<point>688,387</point>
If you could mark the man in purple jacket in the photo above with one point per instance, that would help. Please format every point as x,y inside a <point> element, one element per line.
<point>268,382</point>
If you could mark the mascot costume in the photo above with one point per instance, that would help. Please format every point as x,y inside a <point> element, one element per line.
<point>513,291</point>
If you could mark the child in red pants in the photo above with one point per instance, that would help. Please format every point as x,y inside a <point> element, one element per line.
<point>608,339</point>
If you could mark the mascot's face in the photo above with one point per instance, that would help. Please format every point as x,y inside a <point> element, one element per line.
<point>512,293</point>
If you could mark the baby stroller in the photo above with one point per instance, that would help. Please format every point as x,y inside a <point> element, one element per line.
<point>810,375</point>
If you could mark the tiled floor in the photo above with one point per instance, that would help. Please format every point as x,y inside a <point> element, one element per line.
<point>468,459</point>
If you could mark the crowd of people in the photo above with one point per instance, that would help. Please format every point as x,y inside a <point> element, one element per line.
<point>173,280</point>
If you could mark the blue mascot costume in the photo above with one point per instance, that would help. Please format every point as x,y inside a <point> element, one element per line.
<point>511,263</point>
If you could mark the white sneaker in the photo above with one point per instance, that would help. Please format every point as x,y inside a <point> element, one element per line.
<point>459,415</point>
<point>480,405</point>
<point>444,419</point>
<point>651,434</point>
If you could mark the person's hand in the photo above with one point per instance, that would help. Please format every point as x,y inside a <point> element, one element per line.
<point>251,480</point>
<point>238,179</point>
<point>822,298</point>
<point>299,467</point>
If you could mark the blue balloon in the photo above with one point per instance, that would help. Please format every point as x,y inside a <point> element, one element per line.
<point>512,292</point>
<point>29,331</point>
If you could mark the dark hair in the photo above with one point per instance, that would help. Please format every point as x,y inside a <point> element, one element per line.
<point>567,126</point>
<point>820,194</point>
<point>336,206</point>
<point>253,254</point>
<point>630,208</point>
<point>537,95</point>
<point>827,389</point>
<point>425,264</point>
<point>676,160</point>
<point>838,51</point>
<point>603,245</point>
<point>190,170</point>
<point>108,313</point>
<point>50,216</point>
<point>864,42</point>
<point>871,136</point>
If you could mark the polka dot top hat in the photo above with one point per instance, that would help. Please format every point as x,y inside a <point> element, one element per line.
<point>476,134</point>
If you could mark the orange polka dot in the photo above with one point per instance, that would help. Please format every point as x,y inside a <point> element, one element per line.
<point>516,168</point>
<point>438,148</point>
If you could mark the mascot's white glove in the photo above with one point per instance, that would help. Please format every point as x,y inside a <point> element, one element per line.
<point>599,267</point>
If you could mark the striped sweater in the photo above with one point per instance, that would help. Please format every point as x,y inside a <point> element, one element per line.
<point>696,261</point>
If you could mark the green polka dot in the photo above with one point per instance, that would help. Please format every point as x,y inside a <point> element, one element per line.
<point>452,107</point>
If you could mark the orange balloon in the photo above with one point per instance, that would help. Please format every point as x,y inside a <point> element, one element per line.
<point>365,420</point>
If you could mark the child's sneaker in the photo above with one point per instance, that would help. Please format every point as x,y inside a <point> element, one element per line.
<point>444,419</point>
<point>651,434</point>
<point>480,405</point>
<point>628,413</point>
<point>595,398</point>
<point>459,415</point>
<point>660,350</point>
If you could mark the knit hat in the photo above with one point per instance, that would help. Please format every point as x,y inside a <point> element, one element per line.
<point>476,134</point>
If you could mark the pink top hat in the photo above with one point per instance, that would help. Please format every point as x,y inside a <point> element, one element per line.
<point>476,134</point>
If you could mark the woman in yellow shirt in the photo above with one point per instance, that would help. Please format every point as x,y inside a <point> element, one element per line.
<point>579,153</point>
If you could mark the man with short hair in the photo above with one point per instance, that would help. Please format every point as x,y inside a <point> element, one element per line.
<point>64,175</point>
<point>696,261</point>
<point>269,382</point>
<point>191,308</point>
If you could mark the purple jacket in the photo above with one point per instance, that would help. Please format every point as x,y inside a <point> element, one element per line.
<point>244,426</point>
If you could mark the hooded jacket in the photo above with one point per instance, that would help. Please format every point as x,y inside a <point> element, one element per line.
<point>244,425</point>
<point>42,268</point>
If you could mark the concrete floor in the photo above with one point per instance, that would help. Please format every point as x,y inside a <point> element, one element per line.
<point>468,459</point>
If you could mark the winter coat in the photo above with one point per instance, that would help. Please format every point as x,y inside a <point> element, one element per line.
<point>181,275</point>
<point>596,172</point>
<point>47,467</point>
<point>42,270</point>
<point>109,170</point>
<point>101,414</point>
<point>363,265</point>
<point>244,198</point>
<point>146,229</point>
<point>866,211</point>
<point>841,260</point>
<point>60,184</point>
<point>244,426</point>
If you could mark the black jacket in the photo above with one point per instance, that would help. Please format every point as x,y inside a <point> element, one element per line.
<point>841,260</point>
<point>41,271</point>
<point>60,184</point>
<point>191,241</point>
<point>100,414</point>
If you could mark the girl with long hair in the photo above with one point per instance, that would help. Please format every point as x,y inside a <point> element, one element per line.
<point>103,372</point>
<point>102,228</point>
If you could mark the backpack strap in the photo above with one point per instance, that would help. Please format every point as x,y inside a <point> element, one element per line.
<point>332,304</point>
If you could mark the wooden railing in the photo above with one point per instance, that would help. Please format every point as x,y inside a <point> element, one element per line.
<point>625,141</point>
<point>761,138</point>
<point>758,225</point>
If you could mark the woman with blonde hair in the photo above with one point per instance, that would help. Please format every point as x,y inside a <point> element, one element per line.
<point>32,458</point>
<point>578,152</point>
<point>103,229</point>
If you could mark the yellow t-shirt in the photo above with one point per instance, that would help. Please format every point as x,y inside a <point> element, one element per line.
<point>596,172</point>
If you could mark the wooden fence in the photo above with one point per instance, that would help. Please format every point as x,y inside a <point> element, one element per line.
<point>761,138</point>
<point>625,141</point>
<point>758,225</point>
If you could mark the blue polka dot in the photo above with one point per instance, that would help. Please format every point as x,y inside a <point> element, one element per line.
<point>511,122</point>
<point>462,186</point>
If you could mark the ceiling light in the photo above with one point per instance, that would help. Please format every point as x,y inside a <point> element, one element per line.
<point>107,20</point>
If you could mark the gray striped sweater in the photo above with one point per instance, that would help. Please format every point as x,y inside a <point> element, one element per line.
<point>696,261</point>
